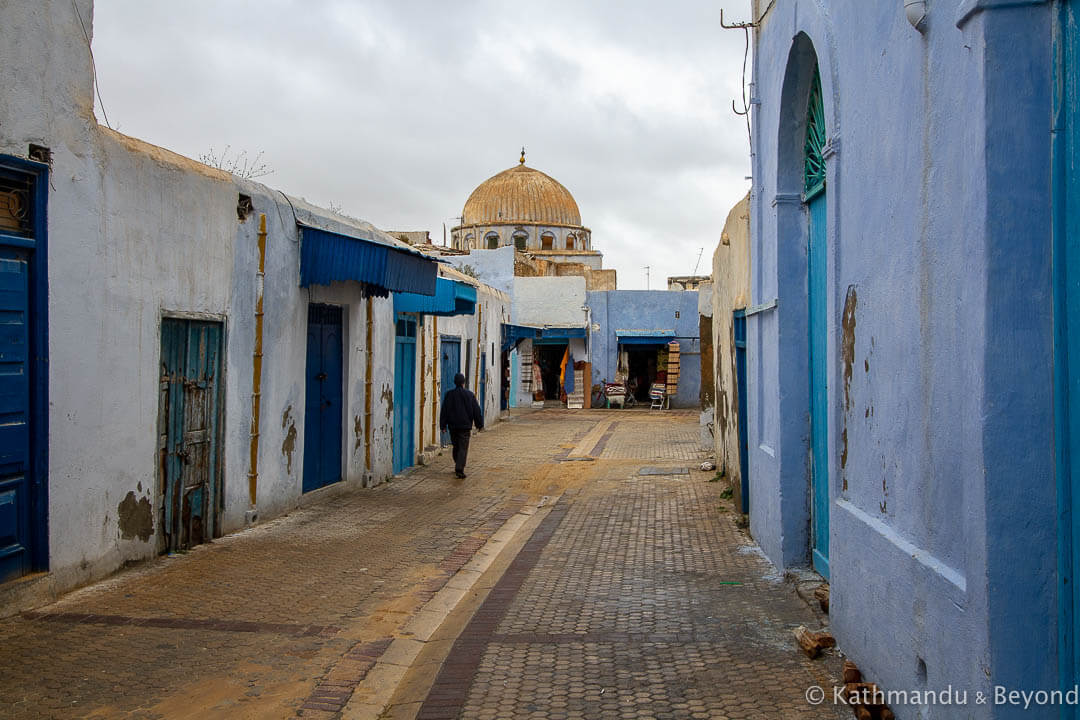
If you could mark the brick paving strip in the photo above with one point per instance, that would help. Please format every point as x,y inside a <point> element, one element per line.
<point>297,630</point>
<point>447,696</point>
<point>335,690</point>
<point>602,443</point>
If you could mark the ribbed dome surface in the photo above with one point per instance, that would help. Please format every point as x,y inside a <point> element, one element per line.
<point>521,194</point>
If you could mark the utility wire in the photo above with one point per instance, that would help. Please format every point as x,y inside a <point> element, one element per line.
<point>93,65</point>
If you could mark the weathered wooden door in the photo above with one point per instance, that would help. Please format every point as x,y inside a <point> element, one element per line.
<point>404,393</point>
<point>323,402</point>
<point>450,362</point>
<point>189,422</point>
<point>23,380</point>
<point>818,324</point>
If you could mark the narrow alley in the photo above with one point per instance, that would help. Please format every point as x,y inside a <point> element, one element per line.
<point>585,568</point>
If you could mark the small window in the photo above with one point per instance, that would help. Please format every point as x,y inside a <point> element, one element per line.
<point>521,240</point>
<point>492,240</point>
<point>570,241</point>
<point>468,242</point>
<point>547,241</point>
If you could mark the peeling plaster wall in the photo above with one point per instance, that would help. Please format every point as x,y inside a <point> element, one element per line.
<point>940,420</point>
<point>136,233</point>
<point>614,310</point>
<point>731,291</point>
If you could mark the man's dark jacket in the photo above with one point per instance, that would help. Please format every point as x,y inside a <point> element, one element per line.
<point>460,410</point>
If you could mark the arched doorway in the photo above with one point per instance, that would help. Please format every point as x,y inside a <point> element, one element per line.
<point>814,196</point>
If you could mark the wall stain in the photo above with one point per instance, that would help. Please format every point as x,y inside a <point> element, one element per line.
<point>135,517</point>
<point>388,398</point>
<point>847,344</point>
<point>358,430</point>
<point>289,445</point>
<point>847,353</point>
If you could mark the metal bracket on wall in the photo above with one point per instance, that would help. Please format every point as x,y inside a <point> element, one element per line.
<point>762,307</point>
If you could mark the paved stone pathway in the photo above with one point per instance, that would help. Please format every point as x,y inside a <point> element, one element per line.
<point>582,589</point>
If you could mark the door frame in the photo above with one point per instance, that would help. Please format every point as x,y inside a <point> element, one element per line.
<point>406,457</point>
<point>38,357</point>
<point>444,438</point>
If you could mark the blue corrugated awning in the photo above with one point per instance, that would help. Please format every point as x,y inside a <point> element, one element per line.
<point>555,334</point>
<point>644,337</point>
<point>452,297</point>
<point>514,334</point>
<point>328,257</point>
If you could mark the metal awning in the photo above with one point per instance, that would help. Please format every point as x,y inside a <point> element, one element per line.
<point>645,337</point>
<point>452,297</point>
<point>514,334</point>
<point>328,257</point>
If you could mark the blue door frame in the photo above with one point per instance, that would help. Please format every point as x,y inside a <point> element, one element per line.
<point>819,393</point>
<point>23,368</point>
<point>404,393</point>
<point>450,365</point>
<point>1066,253</point>
<point>739,331</point>
<point>323,401</point>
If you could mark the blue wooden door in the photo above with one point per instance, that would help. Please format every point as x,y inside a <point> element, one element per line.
<point>1067,342</point>
<point>189,422</point>
<point>323,406</point>
<point>482,390</point>
<point>739,328</point>
<point>450,364</point>
<point>814,178</point>
<point>819,433</point>
<point>23,369</point>
<point>404,394</point>
<point>16,537</point>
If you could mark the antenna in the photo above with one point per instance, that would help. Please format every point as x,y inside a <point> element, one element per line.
<point>698,261</point>
<point>646,277</point>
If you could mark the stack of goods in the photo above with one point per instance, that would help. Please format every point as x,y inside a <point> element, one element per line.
<point>672,367</point>
<point>575,399</point>
<point>526,373</point>
<point>660,384</point>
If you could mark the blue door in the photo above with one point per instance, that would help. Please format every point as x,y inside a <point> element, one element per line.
<point>818,324</point>
<point>450,363</point>
<point>482,390</point>
<point>23,435</point>
<point>323,406</point>
<point>189,425</point>
<point>1067,343</point>
<point>404,393</point>
<point>739,327</point>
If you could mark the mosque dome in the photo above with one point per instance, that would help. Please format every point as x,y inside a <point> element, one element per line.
<point>521,195</point>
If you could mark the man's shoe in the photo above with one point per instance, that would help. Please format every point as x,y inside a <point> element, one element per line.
<point>460,474</point>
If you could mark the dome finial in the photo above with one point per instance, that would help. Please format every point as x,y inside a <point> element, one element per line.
<point>522,161</point>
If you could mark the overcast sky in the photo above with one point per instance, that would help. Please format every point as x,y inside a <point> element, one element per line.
<point>395,110</point>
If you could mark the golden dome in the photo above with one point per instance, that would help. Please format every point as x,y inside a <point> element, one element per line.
<point>521,195</point>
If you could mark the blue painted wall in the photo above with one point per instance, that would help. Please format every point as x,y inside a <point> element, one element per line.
<point>939,349</point>
<point>647,310</point>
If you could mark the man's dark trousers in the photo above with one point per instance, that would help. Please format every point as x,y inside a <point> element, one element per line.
<point>460,439</point>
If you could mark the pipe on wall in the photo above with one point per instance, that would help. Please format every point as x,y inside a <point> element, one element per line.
<point>367,384</point>
<point>256,365</point>
<point>436,357</point>
<point>423,380</point>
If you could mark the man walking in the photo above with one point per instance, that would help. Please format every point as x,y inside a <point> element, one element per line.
<point>459,411</point>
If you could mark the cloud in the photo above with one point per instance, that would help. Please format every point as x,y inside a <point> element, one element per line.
<point>397,109</point>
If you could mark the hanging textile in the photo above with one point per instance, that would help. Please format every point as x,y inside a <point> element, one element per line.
<point>526,372</point>
<point>568,377</point>
<point>562,367</point>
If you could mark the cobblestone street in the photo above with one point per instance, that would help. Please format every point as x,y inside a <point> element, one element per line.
<point>585,568</point>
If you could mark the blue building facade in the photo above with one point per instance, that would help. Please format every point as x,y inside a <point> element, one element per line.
<point>908,402</point>
<point>641,322</point>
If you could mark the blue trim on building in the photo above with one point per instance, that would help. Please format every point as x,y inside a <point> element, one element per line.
<point>328,257</point>
<point>645,337</point>
<point>452,297</point>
